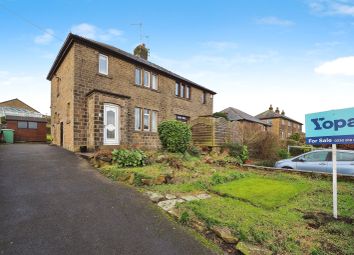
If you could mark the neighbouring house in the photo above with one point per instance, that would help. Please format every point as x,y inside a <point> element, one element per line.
<point>282,126</point>
<point>215,131</point>
<point>29,125</point>
<point>102,96</point>
<point>245,125</point>
<point>17,103</point>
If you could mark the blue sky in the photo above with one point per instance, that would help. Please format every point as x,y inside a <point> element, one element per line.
<point>295,54</point>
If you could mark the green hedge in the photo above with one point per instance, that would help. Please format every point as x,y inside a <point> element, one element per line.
<point>175,136</point>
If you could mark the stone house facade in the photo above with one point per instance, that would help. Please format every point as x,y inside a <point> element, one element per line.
<point>282,126</point>
<point>103,97</point>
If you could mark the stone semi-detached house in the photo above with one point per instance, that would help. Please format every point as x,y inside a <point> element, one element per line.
<point>102,96</point>
<point>282,125</point>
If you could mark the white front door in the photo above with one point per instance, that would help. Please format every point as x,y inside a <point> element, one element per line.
<point>111,125</point>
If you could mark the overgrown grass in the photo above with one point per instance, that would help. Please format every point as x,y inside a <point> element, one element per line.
<point>302,225</point>
<point>283,212</point>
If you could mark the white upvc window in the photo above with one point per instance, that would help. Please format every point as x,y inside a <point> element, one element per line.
<point>147,79</point>
<point>188,92</point>
<point>103,64</point>
<point>154,81</point>
<point>146,120</point>
<point>138,119</point>
<point>138,76</point>
<point>182,90</point>
<point>154,121</point>
<point>177,89</point>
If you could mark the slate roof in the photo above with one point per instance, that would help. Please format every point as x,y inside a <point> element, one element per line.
<point>109,49</point>
<point>269,114</point>
<point>236,115</point>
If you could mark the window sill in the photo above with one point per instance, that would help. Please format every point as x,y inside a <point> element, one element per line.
<point>143,87</point>
<point>104,75</point>
<point>183,98</point>
<point>145,132</point>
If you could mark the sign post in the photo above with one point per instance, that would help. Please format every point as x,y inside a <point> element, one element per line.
<point>331,127</point>
<point>334,179</point>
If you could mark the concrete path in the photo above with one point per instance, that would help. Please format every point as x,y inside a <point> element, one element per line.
<point>52,202</point>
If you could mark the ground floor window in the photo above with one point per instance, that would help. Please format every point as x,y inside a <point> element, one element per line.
<point>145,119</point>
<point>182,118</point>
<point>32,125</point>
<point>137,118</point>
<point>27,124</point>
<point>22,124</point>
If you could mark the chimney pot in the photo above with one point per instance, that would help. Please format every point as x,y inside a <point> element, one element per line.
<point>141,51</point>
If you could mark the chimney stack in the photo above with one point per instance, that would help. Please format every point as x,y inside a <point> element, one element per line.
<point>282,112</point>
<point>277,110</point>
<point>141,51</point>
<point>270,108</point>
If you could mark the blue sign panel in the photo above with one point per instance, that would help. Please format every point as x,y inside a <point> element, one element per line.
<point>330,127</point>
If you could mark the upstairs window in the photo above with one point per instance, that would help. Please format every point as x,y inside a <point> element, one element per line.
<point>204,97</point>
<point>147,79</point>
<point>182,90</point>
<point>138,76</point>
<point>188,92</point>
<point>177,89</point>
<point>103,64</point>
<point>154,81</point>
<point>181,94</point>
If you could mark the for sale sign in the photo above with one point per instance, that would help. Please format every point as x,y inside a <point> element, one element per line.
<point>330,127</point>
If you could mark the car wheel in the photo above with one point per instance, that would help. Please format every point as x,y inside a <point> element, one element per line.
<point>287,167</point>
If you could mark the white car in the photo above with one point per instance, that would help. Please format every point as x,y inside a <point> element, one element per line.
<point>320,161</point>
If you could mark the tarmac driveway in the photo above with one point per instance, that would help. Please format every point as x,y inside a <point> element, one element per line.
<point>52,202</point>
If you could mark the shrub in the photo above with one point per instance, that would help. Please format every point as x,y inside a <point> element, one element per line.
<point>222,178</point>
<point>265,146</point>
<point>221,115</point>
<point>175,136</point>
<point>184,218</point>
<point>295,136</point>
<point>194,151</point>
<point>283,153</point>
<point>237,151</point>
<point>128,158</point>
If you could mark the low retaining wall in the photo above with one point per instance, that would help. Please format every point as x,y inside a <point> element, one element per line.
<point>304,172</point>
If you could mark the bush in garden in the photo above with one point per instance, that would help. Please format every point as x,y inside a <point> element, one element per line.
<point>194,151</point>
<point>128,158</point>
<point>237,151</point>
<point>283,153</point>
<point>175,136</point>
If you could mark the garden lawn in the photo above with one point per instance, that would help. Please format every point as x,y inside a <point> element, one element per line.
<point>263,191</point>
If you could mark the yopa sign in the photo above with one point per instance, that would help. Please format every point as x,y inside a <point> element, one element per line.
<point>330,127</point>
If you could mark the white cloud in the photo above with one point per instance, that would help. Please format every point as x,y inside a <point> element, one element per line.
<point>275,21</point>
<point>339,66</point>
<point>220,45</point>
<point>96,33</point>
<point>45,38</point>
<point>332,7</point>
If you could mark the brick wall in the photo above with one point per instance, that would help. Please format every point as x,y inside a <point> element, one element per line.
<point>27,134</point>
<point>62,97</point>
